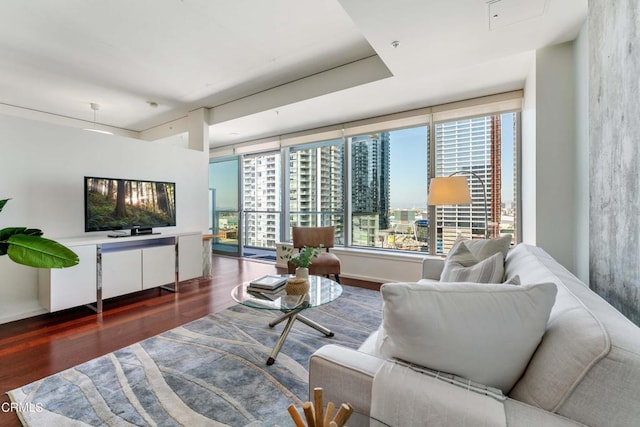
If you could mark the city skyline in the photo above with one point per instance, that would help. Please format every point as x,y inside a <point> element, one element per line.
<point>408,175</point>
<point>409,179</point>
<point>388,174</point>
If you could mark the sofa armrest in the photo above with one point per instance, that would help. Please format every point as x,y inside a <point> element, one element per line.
<point>432,267</point>
<point>345,375</point>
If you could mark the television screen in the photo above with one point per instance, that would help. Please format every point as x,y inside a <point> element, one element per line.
<point>119,204</point>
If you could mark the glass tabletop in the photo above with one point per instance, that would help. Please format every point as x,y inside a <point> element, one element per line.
<point>321,291</point>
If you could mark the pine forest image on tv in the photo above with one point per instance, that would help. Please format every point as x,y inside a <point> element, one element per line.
<point>118,204</point>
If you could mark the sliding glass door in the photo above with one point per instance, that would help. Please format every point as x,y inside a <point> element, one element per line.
<point>224,223</point>
<point>261,203</point>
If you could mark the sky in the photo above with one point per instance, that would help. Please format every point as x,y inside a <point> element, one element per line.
<point>226,172</point>
<point>409,168</point>
<point>409,172</point>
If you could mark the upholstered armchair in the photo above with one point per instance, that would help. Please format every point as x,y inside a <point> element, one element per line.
<point>326,263</point>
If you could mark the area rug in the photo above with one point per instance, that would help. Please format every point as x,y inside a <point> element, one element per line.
<point>211,371</point>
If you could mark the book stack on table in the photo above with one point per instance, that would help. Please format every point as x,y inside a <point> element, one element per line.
<point>267,284</point>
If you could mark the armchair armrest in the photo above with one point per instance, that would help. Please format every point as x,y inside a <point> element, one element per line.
<point>345,375</point>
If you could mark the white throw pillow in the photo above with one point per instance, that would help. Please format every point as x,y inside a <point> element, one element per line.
<point>485,333</point>
<point>484,248</point>
<point>462,266</point>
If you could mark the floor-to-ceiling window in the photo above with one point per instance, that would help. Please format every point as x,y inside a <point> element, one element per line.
<point>370,178</point>
<point>261,200</point>
<point>224,207</point>
<point>389,175</point>
<point>482,148</point>
<point>316,186</point>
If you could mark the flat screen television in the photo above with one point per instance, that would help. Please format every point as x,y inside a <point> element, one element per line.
<point>124,204</point>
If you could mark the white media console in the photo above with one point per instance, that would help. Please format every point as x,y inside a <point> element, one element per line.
<point>111,267</point>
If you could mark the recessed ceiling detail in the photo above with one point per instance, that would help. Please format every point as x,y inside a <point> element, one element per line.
<point>317,62</point>
<point>503,13</point>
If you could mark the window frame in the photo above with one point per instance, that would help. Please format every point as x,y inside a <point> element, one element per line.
<point>430,117</point>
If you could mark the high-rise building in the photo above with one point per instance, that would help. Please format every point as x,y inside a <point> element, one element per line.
<point>302,166</point>
<point>370,180</point>
<point>472,145</point>
<point>261,193</point>
<point>332,178</point>
<point>316,185</point>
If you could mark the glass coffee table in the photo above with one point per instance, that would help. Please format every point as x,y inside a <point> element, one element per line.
<point>321,291</point>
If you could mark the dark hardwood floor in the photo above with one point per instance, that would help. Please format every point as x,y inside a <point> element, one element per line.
<point>36,347</point>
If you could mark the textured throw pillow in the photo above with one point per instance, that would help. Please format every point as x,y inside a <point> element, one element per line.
<point>484,248</point>
<point>462,266</point>
<point>484,333</point>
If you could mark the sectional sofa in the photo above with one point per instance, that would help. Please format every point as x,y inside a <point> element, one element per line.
<point>582,368</point>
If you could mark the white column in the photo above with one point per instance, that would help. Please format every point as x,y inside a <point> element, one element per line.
<point>198,129</point>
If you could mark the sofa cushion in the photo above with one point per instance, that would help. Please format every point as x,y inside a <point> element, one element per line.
<point>484,248</point>
<point>484,333</point>
<point>462,266</point>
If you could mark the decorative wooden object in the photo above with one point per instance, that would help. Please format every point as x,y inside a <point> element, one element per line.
<point>317,416</point>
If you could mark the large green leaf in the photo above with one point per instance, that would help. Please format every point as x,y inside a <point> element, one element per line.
<point>36,251</point>
<point>5,233</point>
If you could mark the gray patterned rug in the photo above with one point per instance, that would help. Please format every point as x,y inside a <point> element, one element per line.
<point>208,372</point>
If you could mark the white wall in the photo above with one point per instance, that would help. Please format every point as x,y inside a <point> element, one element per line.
<point>548,154</point>
<point>42,169</point>
<point>528,154</point>
<point>555,152</point>
<point>581,72</point>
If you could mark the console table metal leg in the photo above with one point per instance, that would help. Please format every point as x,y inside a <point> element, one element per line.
<point>98,307</point>
<point>283,336</point>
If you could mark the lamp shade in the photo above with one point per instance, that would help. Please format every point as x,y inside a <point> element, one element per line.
<point>449,190</point>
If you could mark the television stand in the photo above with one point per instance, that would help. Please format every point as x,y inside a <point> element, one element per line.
<point>113,267</point>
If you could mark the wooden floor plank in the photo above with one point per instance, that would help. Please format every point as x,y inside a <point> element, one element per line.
<point>36,347</point>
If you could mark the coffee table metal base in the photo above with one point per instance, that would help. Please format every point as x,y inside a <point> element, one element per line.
<point>291,317</point>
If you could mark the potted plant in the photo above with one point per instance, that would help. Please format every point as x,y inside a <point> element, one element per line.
<point>301,259</point>
<point>27,246</point>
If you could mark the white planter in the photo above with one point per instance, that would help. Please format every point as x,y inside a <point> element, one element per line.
<point>302,273</point>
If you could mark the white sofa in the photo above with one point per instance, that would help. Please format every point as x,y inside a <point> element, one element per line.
<point>585,371</point>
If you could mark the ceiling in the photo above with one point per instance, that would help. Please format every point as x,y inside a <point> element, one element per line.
<point>263,68</point>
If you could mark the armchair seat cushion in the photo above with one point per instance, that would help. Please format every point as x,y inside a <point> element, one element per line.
<point>325,263</point>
